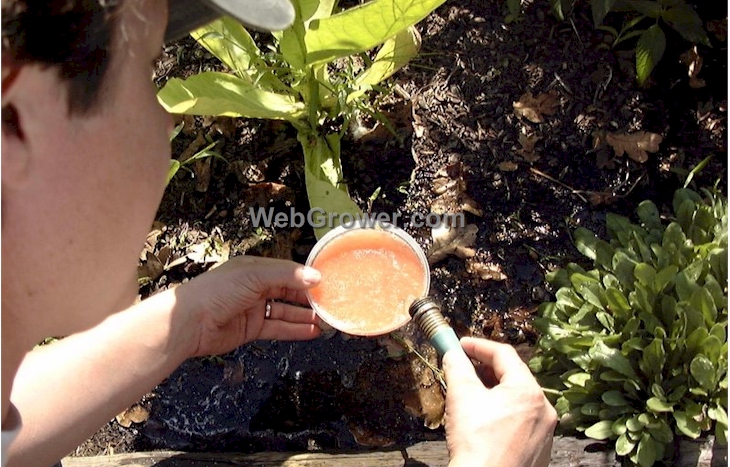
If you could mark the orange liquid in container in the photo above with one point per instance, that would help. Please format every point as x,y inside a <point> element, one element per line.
<point>369,279</point>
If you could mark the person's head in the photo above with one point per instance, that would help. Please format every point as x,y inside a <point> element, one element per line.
<point>85,149</point>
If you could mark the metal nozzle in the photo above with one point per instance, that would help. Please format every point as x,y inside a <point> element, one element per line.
<point>427,315</point>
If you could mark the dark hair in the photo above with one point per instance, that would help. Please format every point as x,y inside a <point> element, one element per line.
<point>72,35</point>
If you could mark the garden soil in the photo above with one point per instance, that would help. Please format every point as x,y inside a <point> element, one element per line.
<point>512,124</point>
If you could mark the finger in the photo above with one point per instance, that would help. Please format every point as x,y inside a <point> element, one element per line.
<point>507,366</point>
<point>459,370</point>
<point>282,330</point>
<point>277,276</point>
<point>292,313</point>
<point>290,295</point>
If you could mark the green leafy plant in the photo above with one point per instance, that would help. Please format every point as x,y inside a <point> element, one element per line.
<point>636,348</point>
<point>295,79</point>
<point>648,26</point>
<point>176,164</point>
<point>645,19</point>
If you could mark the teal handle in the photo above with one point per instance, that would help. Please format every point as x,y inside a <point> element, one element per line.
<point>445,340</point>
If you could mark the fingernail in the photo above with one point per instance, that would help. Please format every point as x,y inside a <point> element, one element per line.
<point>310,275</point>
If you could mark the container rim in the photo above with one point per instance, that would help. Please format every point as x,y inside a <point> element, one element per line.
<point>359,225</point>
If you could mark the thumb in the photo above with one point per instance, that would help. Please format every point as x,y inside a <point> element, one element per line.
<point>270,274</point>
<point>459,369</point>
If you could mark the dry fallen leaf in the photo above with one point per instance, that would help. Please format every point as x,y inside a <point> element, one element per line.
<point>366,437</point>
<point>635,145</point>
<point>527,151</point>
<point>266,192</point>
<point>202,174</point>
<point>209,251</point>
<point>282,245</point>
<point>450,187</point>
<point>718,28</point>
<point>152,267</point>
<point>247,172</point>
<point>487,271</point>
<point>152,237</point>
<point>507,166</point>
<point>134,414</point>
<point>449,240</point>
<point>692,59</point>
<point>533,108</point>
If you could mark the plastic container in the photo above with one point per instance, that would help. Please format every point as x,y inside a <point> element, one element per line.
<point>371,274</point>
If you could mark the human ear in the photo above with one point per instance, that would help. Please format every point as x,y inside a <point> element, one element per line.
<point>15,156</point>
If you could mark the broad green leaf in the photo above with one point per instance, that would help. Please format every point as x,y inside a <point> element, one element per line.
<point>695,339</point>
<point>657,405</point>
<point>682,195</point>
<point>610,413</point>
<point>291,40</point>
<point>624,445</point>
<point>719,262</point>
<point>647,7</point>
<point>686,214</point>
<point>668,310</point>
<point>718,296</point>
<point>703,371</point>
<point>645,274</point>
<point>213,93</point>
<point>687,425</point>
<point>645,451</point>
<point>721,433</point>
<point>663,433</point>
<point>395,53</point>
<point>322,174</point>
<point>616,224</point>
<point>644,250</point>
<point>635,424</point>
<point>513,6</point>
<point>585,241</point>
<point>702,300</point>
<point>664,277</point>
<point>649,50</point>
<point>686,22</point>
<point>362,28</point>
<point>658,391</point>
<point>557,8</point>
<point>632,325</point>
<point>617,302</point>
<point>719,330</point>
<point>568,300</point>
<point>592,293</point>
<point>614,399</point>
<point>229,41</point>
<point>606,320</point>
<point>654,357</point>
<point>649,215</point>
<point>718,413</point>
<point>579,379</point>
<point>314,9</point>
<point>686,284</point>
<point>674,235</point>
<point>591,246</point>
<point>590,409</point>
<point>618,427</point>
<point>600,430</point>
<point>611,358</point>
<point>599,9</point>
<point>623,268</point>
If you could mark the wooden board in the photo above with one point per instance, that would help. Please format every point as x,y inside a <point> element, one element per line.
<point>567,452</point>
